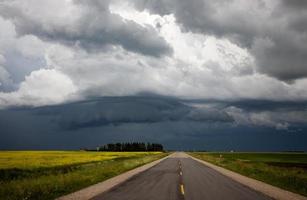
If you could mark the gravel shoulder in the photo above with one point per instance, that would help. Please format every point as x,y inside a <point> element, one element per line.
<point>92,191</point>
<point>269,190</point>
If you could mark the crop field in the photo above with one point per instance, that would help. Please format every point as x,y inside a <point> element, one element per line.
<point>284,170</point>
<point>49,174</point>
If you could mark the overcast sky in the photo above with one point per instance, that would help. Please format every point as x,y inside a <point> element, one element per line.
<point>213,74</point>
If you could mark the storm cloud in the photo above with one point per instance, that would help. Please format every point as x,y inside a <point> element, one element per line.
<point>177,123</point>
<point>273,31</point>
<point>148,109</point>
<point>198,49</point>
<point>132,109</point>
<point>90,26</point>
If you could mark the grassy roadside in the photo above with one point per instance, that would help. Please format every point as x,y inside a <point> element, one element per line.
<point>284,170</point>
<point>56,173</point>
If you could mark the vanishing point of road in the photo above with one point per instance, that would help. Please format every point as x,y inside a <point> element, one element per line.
<point>179,177</point>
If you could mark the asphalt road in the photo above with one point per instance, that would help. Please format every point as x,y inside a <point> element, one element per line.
<point>180,177</point>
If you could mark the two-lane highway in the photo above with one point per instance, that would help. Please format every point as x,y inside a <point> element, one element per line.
<point>180,177</point>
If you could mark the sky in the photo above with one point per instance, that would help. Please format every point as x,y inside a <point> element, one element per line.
<point>192,75</point>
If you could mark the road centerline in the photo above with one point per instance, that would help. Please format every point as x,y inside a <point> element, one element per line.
<point>181,186</point>
<point>182,189</point>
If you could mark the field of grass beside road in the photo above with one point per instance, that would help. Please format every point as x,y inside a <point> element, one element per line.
<point>49,174</point>
<point>284,170</point>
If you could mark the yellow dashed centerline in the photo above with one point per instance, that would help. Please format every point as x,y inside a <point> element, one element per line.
<point>182,189</point>
<point>180,174</point>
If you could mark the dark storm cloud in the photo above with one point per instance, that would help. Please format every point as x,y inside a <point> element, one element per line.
<point>275,37</point>
<point>173,122</point>
<point>205,17</point>
<point>265,105</point>
<point>281,115</point>
<point>95,29</point>
<point>116,111</point>
<point>121,110</point>
<point>286,115</point>
<point>295,4</point>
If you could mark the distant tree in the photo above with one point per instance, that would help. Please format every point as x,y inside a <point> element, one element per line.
<point>134,146</point>
<point>111,147</point>
<point>149,147</point>
<point>118,147</point>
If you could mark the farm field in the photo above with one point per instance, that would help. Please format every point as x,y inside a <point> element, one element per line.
<point>49,174</point>
<point>284,170</point>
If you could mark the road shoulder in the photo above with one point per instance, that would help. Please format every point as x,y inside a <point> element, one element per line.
<point>269,190</point>
<point>94,190</point>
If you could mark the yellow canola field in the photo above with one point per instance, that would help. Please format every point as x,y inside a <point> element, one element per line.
<point>42,159</point>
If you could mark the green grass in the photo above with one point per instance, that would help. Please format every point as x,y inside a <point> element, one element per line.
<point>284,170</point>
<point>50,174</point>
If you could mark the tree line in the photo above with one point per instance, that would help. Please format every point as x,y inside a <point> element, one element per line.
<point>131,146</point>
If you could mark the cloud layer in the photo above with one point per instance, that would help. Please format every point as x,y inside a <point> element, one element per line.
<point>88,25</point>
<point>178,124</point>
<point>226,50</point>
<point>274,32</point>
